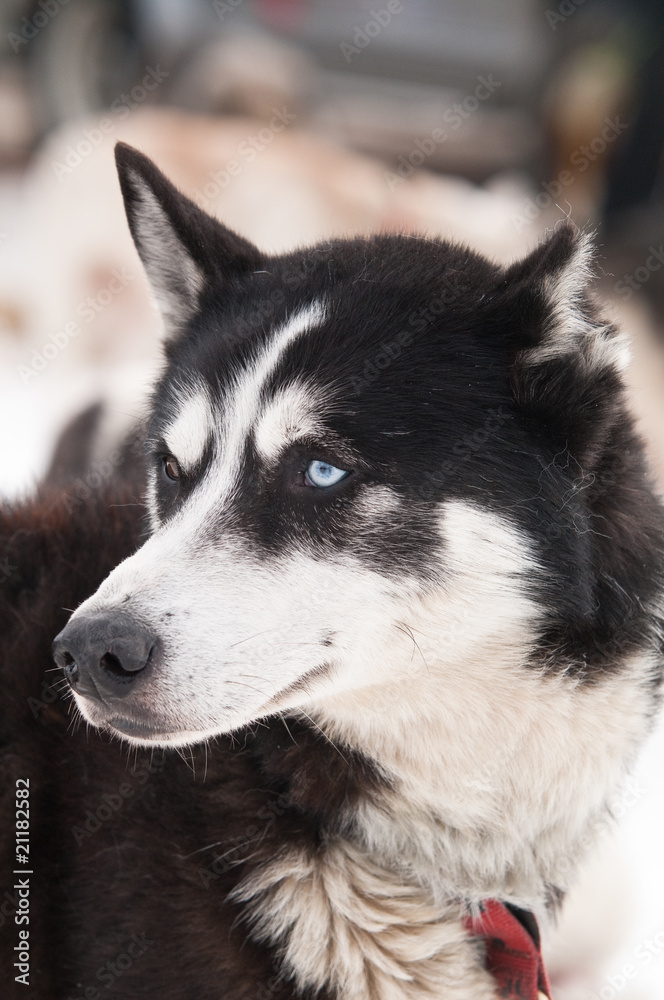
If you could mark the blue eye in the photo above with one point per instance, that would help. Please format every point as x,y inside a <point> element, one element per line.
<point>323,474</point>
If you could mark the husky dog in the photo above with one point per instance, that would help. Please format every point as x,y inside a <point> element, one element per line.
<point>404,550</point>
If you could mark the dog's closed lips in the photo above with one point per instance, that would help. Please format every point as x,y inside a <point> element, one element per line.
<point>131,727</point>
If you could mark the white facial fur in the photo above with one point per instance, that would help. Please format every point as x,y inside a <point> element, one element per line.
<point>234,631</point>
<point>240,631</point>
<point>293,413</point>
<point>192,429</point>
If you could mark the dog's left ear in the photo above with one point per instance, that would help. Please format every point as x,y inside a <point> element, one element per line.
<point>551,311</point>
<point>566,360</point>
<point>183,249</point>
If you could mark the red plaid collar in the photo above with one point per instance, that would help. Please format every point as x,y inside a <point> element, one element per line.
<point>513,954</point>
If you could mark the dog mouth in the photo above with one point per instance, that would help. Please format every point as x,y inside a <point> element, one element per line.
<point>134,723</point>
<point>144,730</point>
<point>143,726</point>
<point>138,730</point>
<point>302,685</point>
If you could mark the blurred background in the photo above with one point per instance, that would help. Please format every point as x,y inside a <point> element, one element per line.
<point>486,121</point>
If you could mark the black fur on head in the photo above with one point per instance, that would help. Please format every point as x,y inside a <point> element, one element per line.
<point>451,378</point>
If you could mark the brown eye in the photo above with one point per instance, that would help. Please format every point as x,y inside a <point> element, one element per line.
<point>171,467</point>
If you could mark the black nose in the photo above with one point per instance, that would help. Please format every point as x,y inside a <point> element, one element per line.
<point>103,655</point>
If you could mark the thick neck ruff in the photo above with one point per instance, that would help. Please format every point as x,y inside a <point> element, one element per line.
<point>513,950</point>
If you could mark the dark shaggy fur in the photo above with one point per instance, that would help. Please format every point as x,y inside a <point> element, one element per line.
<point>134,849</point>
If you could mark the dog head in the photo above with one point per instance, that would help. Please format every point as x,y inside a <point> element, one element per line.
<point>370,459</point>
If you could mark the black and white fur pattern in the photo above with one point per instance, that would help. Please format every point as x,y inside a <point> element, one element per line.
<point>475,611</point>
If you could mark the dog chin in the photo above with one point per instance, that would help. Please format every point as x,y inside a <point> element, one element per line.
<point>137,734</point>
<point>153,732</point>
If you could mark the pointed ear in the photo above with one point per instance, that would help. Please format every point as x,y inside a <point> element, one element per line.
<point>547,292</point>
<point>183,249</point>
<point>565,250</point>
<point>547,288</point>
<point>566,360</point>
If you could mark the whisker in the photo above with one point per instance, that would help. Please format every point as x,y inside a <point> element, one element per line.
<point>256,634</point>
<point>407,630</point>
<point>283,719</point>
<point>324,734</point>
<point>180,753</point>
<point>251,687</point>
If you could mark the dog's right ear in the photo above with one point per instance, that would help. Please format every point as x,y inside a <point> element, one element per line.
<point>183,249</point>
